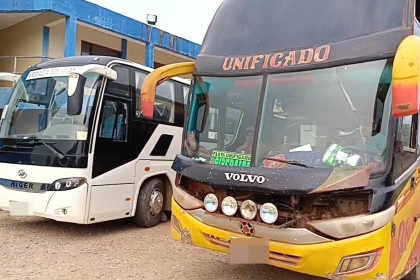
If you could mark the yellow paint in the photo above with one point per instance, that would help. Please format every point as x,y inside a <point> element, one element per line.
<point>310,254</point>
<point>148,89</point>
<point>405,77</point>
<point>404,214</point>
<point>405,71</point>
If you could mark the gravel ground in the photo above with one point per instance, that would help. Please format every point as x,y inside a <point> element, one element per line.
<point>36,248</point>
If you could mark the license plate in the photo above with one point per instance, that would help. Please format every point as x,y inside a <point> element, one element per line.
<point>21,208</point>
<point>249,250</point>
<point>23,186</point>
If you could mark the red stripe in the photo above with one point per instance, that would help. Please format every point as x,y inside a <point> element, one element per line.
<point>395,255</point>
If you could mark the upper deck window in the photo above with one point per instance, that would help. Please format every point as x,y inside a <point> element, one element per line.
<point>248,26</point>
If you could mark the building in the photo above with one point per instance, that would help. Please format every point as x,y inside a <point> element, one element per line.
<point>36,30</point>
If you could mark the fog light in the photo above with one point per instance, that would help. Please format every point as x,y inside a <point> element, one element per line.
<point>211,202</point>
<point>249,209</point>
<point>356,263</point>
<point>269,213</point>
<point>229,206</point>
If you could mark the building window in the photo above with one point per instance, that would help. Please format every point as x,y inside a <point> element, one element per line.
<point>157,65</point>
<point>93,49</point>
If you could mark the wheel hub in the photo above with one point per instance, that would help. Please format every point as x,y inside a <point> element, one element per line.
<point>156,202</point>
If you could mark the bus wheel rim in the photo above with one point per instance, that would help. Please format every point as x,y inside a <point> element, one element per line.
<point>156,202</point>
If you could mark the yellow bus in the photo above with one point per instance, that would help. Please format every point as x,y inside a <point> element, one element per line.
<point>301,138</point>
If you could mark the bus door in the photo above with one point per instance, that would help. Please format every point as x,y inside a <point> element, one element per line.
<point>112,173</point>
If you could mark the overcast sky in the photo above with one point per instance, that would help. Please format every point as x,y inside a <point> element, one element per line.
<point>185,18</point>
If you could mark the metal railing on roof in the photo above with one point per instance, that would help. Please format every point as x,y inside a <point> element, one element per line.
<point>21,59</point>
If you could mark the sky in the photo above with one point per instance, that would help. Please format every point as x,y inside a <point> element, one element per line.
<point>188,19</point>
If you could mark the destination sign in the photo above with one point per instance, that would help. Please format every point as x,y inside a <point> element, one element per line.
<point>278,59</point>
<point>50,72</point>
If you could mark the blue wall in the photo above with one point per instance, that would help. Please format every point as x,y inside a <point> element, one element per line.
<point>80,10</point>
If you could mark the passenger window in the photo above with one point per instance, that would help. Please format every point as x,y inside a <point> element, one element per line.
<point>114,121</point>
<point>406,144</point>
<point>164,110</point>
<point>121,86</point>
<point>139,77</point>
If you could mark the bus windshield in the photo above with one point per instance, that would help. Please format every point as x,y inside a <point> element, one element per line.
<point>321,118</point>
<point>38,108</point>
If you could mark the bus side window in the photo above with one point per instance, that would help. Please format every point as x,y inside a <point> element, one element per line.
<point>121,86</point>
<point>164,110</point>
<point>139,77</point>
<point>406,144</point>
<point>113,123</point>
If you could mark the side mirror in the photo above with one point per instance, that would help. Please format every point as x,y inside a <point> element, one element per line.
<point>405,78</point>
<point>77,82</point>
<point>75,94</point>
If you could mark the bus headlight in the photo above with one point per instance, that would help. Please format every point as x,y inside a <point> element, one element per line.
<point>67,184</point>
<point>269,213</point>
<point>341,228</point>
<point>229,206</point>
<point>211,203</point>
<point>249,209</point>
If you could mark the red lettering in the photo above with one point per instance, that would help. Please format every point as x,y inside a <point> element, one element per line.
<point>275,60</point>
<point>290,58</point>
<point>239,62</point>
<point>266,59</point>
<point>317,56</point>
<point>227,67</point>
<point>248,58</point>
<point>403,237</point>
<point>303,59</point>
<point>255,60</point>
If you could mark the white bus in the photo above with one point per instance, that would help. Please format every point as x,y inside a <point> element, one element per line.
<point>79,144</point>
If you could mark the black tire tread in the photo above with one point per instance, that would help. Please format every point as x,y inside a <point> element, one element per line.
<point>142,217</point>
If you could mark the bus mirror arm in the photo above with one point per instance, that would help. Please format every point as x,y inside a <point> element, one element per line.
<point>77,80</point>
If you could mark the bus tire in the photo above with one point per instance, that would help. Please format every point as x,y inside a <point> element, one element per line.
<point>414,274</point>
<point>150,202</point>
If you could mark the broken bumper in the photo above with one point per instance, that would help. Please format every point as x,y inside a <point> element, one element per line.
<point>322,260</point>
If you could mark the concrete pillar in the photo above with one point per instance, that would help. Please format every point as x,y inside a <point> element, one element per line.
<point>150,55</point>
<point>124,48</point>
<point>70,36</point>
<point>45,43</point>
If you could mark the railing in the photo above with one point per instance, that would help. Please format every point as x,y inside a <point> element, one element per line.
<point>15,66</point>
<point>16,60</point>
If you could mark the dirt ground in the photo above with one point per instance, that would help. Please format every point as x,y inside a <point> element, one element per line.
<point>36,248</point>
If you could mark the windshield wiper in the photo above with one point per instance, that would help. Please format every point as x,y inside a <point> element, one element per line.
<point>291,162</point>
<point>14,147</point>
<point>34,140</point>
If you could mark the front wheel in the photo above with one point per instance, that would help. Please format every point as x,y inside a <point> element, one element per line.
<point>149,208</point>
<point>414,274</point>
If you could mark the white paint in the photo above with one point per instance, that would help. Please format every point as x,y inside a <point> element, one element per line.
<point>110,196</point>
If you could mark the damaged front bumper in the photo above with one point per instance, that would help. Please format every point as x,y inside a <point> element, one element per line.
<point>358,258</point>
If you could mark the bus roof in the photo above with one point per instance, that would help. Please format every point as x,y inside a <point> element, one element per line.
<point>95,59</point>
<point>248,36</point>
